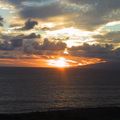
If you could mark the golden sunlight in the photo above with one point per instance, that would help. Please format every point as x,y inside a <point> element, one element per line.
<point>70,61</point>
<point>59,62</point>
<point>64,61</point>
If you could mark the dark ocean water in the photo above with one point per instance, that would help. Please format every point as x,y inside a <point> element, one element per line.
<point>42,89</point>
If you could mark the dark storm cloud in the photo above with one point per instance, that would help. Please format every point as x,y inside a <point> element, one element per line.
<point>29,24</point>
<point>1,21</point>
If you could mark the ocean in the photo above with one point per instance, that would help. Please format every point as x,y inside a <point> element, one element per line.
<point>44,89</point>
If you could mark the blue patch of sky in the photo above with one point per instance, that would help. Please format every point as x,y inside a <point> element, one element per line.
<point>113,28</point>
<point>38,3</point>
<point>5,13</point>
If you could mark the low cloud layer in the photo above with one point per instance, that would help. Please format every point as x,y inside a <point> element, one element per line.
<point>105,51</point>
<point>31,43</point>
<point>29,24</point>
<point>46,47</point>
<point>39,46</point>
<point>111,37</point>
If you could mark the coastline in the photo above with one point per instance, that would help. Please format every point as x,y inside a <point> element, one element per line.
<point>101,113</point>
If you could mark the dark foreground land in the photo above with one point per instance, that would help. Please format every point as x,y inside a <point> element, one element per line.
<point>75,114</point>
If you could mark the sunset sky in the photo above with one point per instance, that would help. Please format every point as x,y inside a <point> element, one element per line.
<point>35,28</point>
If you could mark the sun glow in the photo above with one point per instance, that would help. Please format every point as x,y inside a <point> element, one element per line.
<point>59,62</point>
<point>51,61</point>
<point>70,61</point>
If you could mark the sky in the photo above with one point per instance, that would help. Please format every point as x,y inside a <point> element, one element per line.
<point>87,28</point>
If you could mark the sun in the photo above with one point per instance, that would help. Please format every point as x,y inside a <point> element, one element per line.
<point>60,62</point>
<point>68,61</point>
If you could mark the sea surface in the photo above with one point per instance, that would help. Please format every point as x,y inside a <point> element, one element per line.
<point>42,89</point>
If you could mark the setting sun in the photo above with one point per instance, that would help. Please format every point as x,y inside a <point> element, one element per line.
<point>59,62</point>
